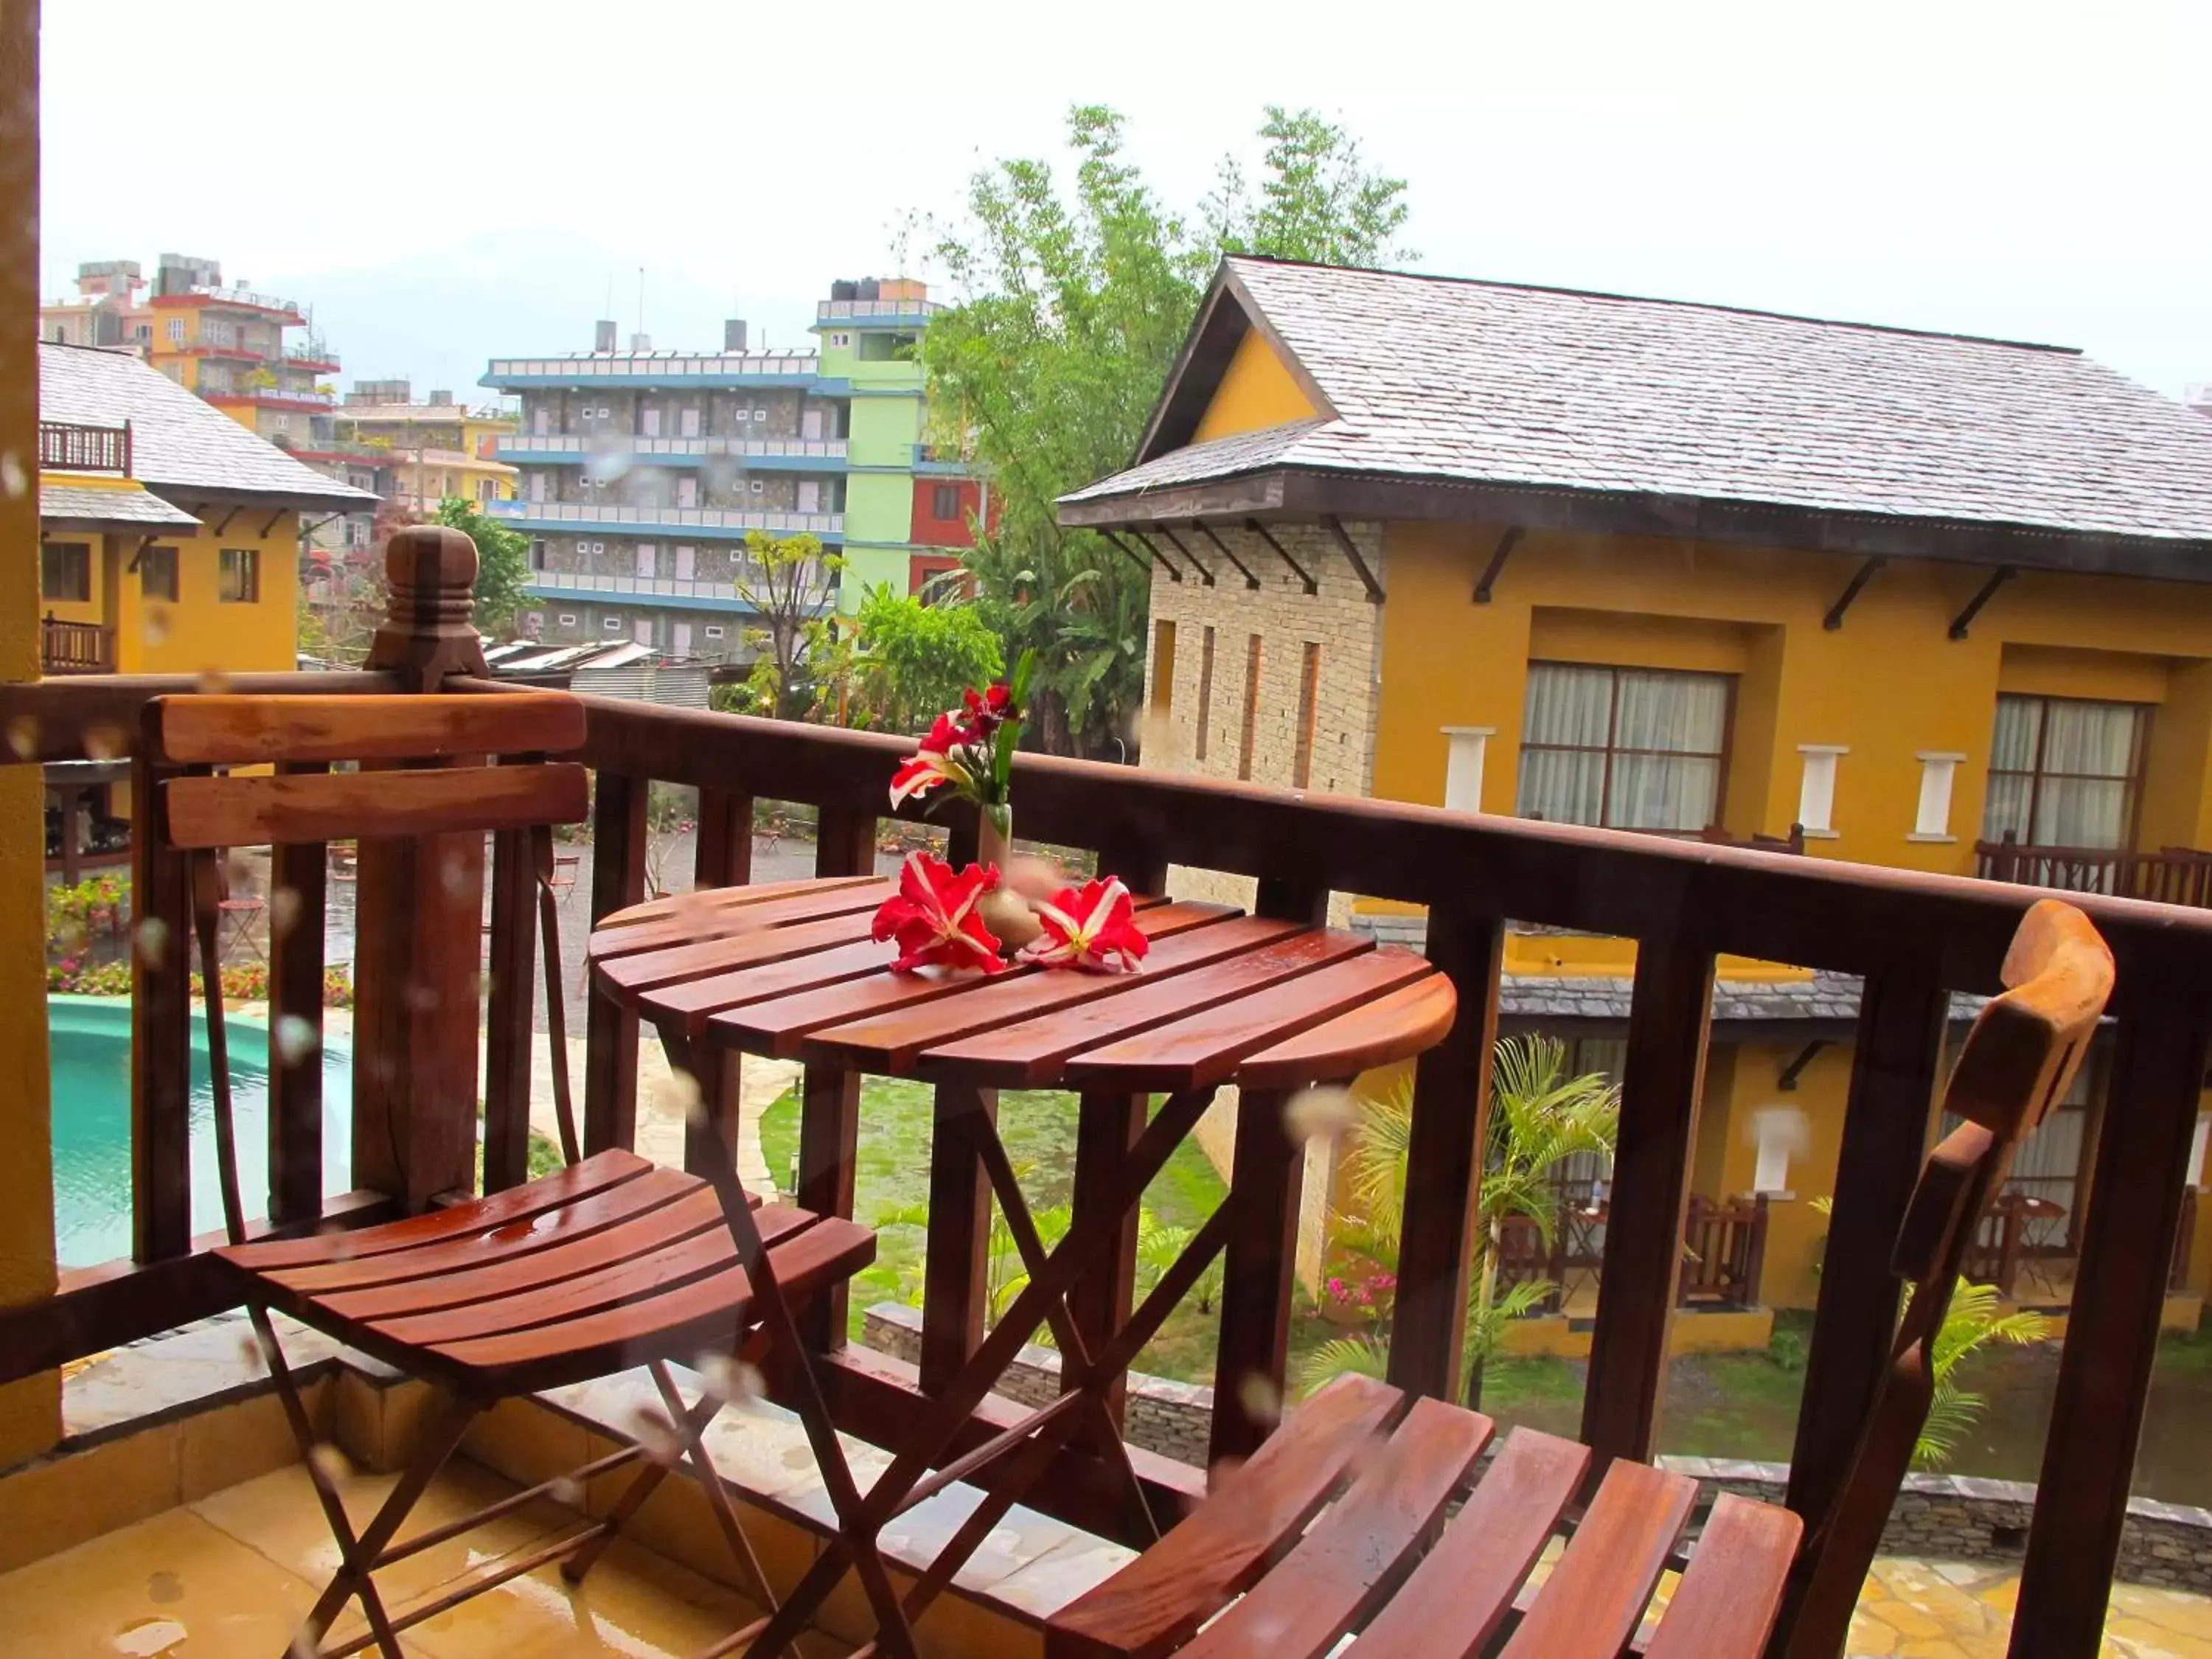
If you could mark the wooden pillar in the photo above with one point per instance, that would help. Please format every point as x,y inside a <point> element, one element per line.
<point>298,875</point>
<point>419,954</point>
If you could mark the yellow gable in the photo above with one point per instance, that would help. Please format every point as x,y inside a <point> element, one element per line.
<point>1256,392</point>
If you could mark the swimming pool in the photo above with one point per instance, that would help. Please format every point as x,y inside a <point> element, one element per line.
<point>91,1061</point>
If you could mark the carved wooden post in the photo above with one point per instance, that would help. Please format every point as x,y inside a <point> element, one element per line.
<point>418,958</point>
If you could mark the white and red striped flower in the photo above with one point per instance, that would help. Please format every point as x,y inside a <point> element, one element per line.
<point>1095,927</point>
<point>934,919</point>
<point>937,761</point>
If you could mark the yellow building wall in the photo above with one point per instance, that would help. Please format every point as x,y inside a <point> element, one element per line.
<point>1256,392</point>
<point>200,631</point>
<point>30,1409</point>
<point>1889,684</point>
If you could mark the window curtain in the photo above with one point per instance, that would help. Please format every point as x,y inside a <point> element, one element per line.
<point>1685,714</point>
<point>2012,750</point>
<point>2097,740</point>
<point>1572,706</point>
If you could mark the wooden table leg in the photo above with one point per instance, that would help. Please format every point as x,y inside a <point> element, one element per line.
<point>1266,1173</point>
<point>955,1276</point>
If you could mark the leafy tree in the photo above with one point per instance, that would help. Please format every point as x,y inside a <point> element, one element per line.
<point>1077,303</point>
<point>911,660</point>
<point>1317,201</point>
<point>1540,1117</point>
<point>503,563</point>
<point>784,580</point>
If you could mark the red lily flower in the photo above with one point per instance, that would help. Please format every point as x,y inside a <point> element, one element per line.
<point>936,762</point>
<point>987,710</point>
<point>934,919</point>
<point>1095,927</point>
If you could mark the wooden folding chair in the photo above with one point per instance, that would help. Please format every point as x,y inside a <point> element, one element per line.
<point>1379,1565</point>
<point>608,1264</point>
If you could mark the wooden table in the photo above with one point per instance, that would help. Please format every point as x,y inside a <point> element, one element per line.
<point>1273,1006</point>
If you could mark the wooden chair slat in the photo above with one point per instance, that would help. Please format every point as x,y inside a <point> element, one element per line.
<point>712,921</point>
<point>1197,1050</point>
<point>710,1312</point>
<point>673,1260</point>
<point>1012,1035</point>
<point>1358,1551</point>
<point>219,729</point>
<point>1463,1588</point>
<point>1186,935</point>
<point>1410,1018</point>
<point>478,1246</point>
<point>1726,1602</point>
<point>597,1173</point>
<point>254,812</point>
<point>695,1212</point>
<point>1594,1599</point>
<point>759,892</point>
<point>1159,1600</point>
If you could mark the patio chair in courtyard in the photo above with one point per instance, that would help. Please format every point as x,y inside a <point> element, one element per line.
<point>1337,1527</point>
<point>607,1264</point>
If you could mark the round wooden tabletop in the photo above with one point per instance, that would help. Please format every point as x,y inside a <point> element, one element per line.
<point>787,970</point>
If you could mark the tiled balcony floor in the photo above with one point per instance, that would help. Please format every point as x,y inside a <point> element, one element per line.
<point>231,1576</point>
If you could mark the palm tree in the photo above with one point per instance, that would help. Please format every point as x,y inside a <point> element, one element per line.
<point>1540,1117</point>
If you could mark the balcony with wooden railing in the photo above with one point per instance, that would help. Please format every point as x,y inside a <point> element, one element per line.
<point>70,447</point>
<point>74,647</point>
<point>1914,937</point>
<point>2172,875</point>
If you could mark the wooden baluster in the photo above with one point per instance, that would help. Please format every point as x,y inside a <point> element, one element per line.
<point>161,1031</point>
<point>1668,1015</point>
<point>1437,1248</point>
<point>619,846</point>
<point>2119,1291</point>
<point>298,875</point>
<point>509,1038</point>
<point>724,858</point>
<point>1754,1256</point>
<point>1266,1176</point>
<point>829,1096</point>
<point>419,948</point>
<point>1894,1071</point>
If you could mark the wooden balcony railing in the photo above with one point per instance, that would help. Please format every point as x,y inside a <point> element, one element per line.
<point>1723,1247</point>
<point>1913,938</point>
<point>66,446</point>
<point>2172,875</point>
<point>74,647</point>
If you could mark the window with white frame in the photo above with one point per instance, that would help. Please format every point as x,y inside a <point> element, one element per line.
<point>568,619</point>
<point>2064,773</point>
<point>713,630</point>
<point>1629,748</point>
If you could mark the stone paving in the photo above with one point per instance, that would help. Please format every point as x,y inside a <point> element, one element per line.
<point>1951,1610</point>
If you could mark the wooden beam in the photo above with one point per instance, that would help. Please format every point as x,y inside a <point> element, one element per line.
<point>1488,581</point>
<point>1282,553</point>
<point>1834,619</point>
<point>1175,542</point>
<point>1788,1080</point>
<point>225,525</point>
<point>1335,527</point>
<point>139,553</point>
<point>269,524</point>
<point>1207,530</point>
<point>1998,578</point>
<point>1139,559</point>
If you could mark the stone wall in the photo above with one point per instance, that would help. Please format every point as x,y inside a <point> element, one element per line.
<point>1938,1518</point>
<point>1174,1419</point>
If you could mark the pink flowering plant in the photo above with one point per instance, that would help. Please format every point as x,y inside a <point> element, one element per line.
<point>1093,927</point>
<point>968,752</point>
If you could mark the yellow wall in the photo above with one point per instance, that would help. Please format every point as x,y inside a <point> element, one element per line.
<point>1256,392</point>
<point>200,631</point>
<point>1889,684</point>
<point>30,1410</point>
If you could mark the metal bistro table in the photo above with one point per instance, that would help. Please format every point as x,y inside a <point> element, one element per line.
<point>787,970</point>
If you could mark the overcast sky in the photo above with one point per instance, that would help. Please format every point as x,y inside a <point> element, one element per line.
<point>447,179</point>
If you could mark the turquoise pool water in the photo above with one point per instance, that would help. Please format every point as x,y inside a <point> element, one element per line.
<point>91,1045</point>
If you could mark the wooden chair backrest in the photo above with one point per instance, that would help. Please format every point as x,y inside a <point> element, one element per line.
<point>2018,1062</point>
<point>300,807</point>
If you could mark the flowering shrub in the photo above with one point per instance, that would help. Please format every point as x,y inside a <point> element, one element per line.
<point>241,982</point>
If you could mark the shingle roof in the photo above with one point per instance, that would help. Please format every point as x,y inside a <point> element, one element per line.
<point>88,504</point>
<point>1489,383</point>
<point>178,442</point>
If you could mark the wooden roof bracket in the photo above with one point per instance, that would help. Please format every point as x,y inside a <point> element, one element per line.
<point>1175,542</point>
<point>227,518</point>
<point>1140,561</point>
<point>1152,548</point>
<point>1490,572</point>
<point>1335,525</point>
<point>1998,578</point>
<point>1834,620</point>
<point>138,553</point>
<point>1207,530</point>
<point>1282,553</point>
<point>271,523</point>
<point>1796,1068</point>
